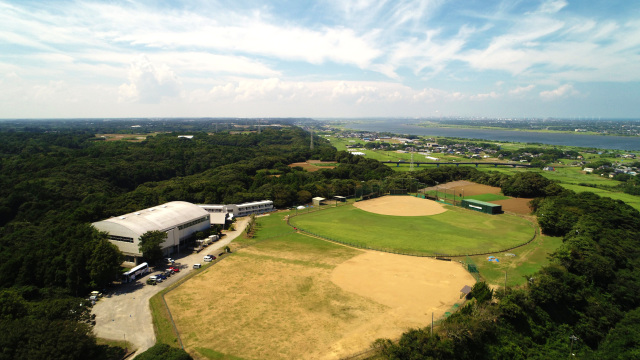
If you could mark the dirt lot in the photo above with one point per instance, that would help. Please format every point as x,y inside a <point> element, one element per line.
<point>126,137</point>
<point>314,165</point>
<point>411,287</point>
<point>516,205</point>
<point>401,206</point>
<point>467,187</point>
<point>313,300</point>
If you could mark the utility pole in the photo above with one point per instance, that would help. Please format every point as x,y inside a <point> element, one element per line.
<point>311,147</point>
<point>505,283</point>
<point>432,323</point>
<point>573,338</point>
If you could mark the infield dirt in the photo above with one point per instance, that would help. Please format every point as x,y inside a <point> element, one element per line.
<point>401,206</point>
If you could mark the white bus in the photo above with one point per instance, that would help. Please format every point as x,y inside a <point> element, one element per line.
<point>133,274</point>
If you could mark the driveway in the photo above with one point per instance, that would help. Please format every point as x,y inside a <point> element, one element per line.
<point>125,314</point>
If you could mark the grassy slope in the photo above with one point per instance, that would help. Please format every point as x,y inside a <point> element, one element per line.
<point>442,233</point>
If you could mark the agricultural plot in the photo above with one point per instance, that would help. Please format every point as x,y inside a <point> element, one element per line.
<point>456,231</point>
<point>290,296</point>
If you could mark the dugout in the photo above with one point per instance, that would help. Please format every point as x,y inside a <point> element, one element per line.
<point>485,207</point>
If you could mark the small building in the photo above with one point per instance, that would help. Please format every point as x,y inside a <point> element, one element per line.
<point>485,207</point>
<point>340,198</point>
<point>180,220</point>
<point>317,201</point>
<point>239,210</point>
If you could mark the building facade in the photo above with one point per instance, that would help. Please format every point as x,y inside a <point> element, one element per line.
<point>180,220</point>
<point>239,210</point>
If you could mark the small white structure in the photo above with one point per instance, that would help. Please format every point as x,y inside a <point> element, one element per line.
<point>317,201</point>
<point>239,210</point>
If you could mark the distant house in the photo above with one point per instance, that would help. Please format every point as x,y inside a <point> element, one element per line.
<point>589,170</point>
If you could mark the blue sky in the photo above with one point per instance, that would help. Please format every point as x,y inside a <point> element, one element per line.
<point>331,58</point>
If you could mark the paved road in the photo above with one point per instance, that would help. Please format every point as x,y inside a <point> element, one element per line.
<point>125,314</point>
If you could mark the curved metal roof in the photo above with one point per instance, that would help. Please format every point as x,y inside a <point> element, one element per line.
<point>161,217</point>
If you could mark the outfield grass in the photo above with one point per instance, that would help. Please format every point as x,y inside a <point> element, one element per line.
<point>529,259</point>
<point>456,231</point>
<point>487,197</point>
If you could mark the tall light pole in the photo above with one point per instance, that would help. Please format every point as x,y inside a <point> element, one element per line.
<point>573,338</point>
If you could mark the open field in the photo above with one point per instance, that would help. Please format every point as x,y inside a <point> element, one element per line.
<point>291,296</point>
<point>527,260</point>
<point>441,233</point>
<point>314,165</point>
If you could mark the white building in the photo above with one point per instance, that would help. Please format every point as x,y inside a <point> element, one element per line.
<point>179,219</point>
<point>239,210</point>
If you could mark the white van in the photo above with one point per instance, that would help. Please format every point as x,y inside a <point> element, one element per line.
<point>197,266</point>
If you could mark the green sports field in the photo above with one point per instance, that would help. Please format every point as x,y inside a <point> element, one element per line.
<point>457,231</point>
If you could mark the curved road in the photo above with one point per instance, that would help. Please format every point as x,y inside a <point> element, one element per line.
<point>125,313</point>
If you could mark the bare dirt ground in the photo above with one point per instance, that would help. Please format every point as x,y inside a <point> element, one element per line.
<point>401,206</point>
<point>313,165</point>
<point>411,287</point>
<point>467,187</point>
<point>264,304</point>
<point>516,205</point>
<point>128,137</point>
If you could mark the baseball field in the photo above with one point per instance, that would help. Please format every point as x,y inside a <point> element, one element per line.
<point>387,223</point>
<point>291,296</point>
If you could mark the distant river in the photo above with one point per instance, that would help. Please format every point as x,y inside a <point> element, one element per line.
<point>592,141</point>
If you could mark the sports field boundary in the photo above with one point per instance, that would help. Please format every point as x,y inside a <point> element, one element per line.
<point>408,253</point>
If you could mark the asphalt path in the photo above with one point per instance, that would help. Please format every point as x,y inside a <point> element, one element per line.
<point>124,313</point>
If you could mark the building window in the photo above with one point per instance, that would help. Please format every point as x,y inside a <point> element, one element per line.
<point>120,238</point>
<point>194,222</point>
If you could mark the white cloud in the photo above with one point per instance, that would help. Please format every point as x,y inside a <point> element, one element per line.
<point>521,90</point>
<point>485,96</point>
<point>552,6</point>
<point>563,91</point>
<point>149,83</point>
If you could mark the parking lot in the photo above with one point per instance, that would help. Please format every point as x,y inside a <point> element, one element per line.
<point>124,313</point>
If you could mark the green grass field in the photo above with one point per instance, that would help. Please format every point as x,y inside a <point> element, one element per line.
<point>456,231</point>
<point>529,259</point>
<point>487,197</point>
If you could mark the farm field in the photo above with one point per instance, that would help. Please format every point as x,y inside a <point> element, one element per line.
<point>441,233</point>
<point>290,296</point>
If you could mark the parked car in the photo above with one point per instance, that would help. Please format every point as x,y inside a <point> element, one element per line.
<point>151,282</point>
<point>174,269</point>
<point>155,278</point>
<point>197,266</point>
<point>209,258</point>
<point>168,272</point>
<point>162,276</point>
<point>169,260</point>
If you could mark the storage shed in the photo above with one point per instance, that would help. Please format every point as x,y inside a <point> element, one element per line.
<point>485,207</point>
<point>317,201</point>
